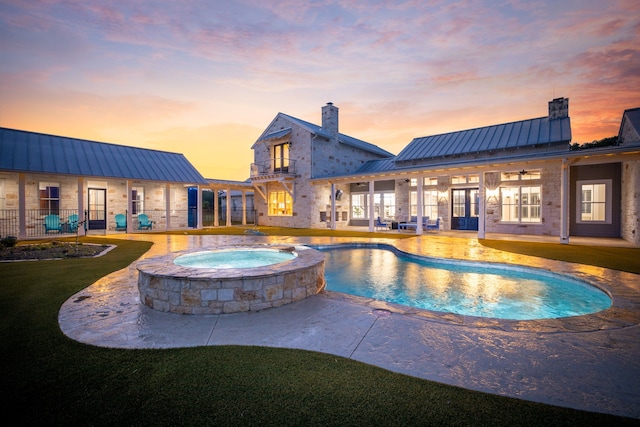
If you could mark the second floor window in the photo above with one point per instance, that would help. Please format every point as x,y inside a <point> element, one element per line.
<point>49,193</point>
<point>281,157</point>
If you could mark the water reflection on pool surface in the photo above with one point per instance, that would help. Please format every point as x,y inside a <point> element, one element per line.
<point>474,289</point>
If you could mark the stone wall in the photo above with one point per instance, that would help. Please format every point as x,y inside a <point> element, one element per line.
<point>165,286</point>
<point>630,223</point>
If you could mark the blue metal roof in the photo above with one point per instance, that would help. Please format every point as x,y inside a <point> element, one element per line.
<point>23,151</point>
<point>342,138</point>
<point>507,136</point>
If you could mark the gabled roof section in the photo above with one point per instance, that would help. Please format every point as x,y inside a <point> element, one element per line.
<point>275,135</point>
<point>23,151</point>
<point>630,127</point>
<point>531,133</point>
<point>317,130</point>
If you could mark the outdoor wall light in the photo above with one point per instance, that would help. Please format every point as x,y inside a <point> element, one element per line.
<point>492,194</point>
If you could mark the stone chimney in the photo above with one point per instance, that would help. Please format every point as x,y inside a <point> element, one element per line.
<point>330,119</point>
<point>559,108</point>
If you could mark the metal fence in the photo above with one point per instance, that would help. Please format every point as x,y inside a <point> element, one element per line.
<point>40,223</point>
<point>66,222</point>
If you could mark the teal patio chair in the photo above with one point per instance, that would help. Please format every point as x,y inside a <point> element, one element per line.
<point>72,223</point>
<point>121,222</point>
<point>52,223</point>
<point>144,223</point>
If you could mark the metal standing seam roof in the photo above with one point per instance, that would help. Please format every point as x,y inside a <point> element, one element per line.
<point>342,138</point>
<point>23,151</point>
<point>491,138</point>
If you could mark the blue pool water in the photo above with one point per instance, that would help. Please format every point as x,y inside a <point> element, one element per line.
<point>458,287</point>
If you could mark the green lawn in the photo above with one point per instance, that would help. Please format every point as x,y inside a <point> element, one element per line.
<point>48,379</point>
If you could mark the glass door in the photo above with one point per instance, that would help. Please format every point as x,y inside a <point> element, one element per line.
<point>97,209</point>
<point>465,208</point>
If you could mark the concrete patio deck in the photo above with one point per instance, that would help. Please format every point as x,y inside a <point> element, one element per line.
<point>589,362</point>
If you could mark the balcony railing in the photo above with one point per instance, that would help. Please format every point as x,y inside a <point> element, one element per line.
<point>273,167</point>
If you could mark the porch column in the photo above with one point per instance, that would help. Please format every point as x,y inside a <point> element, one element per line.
<point>129,205</point>
<point>228,190</point>
<point>420,207</point>
<point>564,202</point>
<point>372,210</point>
<point>81,224</point>
<point>244,207</point>
<point>167,207</point>
<point>333,206</point>
<point>216,207</point>
<point>22,206</point>
<point>199,208</point>
<point>482,210</point>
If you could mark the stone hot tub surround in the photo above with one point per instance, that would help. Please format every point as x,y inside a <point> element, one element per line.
<point>168,287</point>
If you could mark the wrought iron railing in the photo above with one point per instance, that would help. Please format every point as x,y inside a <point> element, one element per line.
<point>273,167</point>
<point>40,223</point>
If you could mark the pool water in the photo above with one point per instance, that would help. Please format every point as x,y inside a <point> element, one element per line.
<point>459,287</point>
<point>234,258</point>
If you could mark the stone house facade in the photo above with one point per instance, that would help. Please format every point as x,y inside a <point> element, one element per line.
<point>292,152</point>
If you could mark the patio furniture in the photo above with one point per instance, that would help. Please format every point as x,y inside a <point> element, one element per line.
<point>121,222</point>
<point>433,225</point>
<point>381,224</point>
<point>52,223</point>
<point>144,223</point>
<point>72,223</point>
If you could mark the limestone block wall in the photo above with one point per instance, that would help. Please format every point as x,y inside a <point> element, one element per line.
<point>550,176</point>
<point>165,286</point>
<point>630,221</point>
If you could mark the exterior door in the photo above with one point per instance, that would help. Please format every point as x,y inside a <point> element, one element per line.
<point>97,209</point>
<point>192,202</point>
<point>464,208</point>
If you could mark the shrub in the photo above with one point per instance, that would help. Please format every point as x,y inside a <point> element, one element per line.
<point>8,241</point>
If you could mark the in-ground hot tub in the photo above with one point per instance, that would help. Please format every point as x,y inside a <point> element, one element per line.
<point>230,279</point>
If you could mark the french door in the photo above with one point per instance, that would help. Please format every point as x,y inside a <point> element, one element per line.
<point>464,208</point>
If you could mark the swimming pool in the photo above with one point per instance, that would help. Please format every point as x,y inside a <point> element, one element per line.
<point>478,289</point>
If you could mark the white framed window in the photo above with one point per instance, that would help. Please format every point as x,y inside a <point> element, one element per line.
<point>359,203</point>
<point>594,201</point>
<point>385,205</point>
<point>458,179</point>
<point>280,203</point>
<point>432,180</point>
<point>137,200</point>
<point>49,194</point>
<point>520,204</point>
<point>431,204</point>
<point>523,175</point>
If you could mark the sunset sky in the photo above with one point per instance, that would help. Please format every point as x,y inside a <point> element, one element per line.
<point>205,78</point>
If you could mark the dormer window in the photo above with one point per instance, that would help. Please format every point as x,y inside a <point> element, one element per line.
<point>281,158</point>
